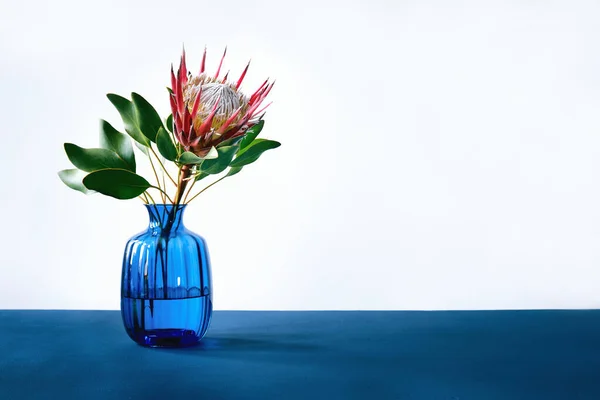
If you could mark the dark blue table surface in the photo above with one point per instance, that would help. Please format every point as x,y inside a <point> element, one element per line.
<point>455,355</point>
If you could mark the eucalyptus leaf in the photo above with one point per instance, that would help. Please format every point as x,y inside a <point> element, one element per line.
<point>129,116</point>
<point>118,183</point>
<point>251,134</point>
<point>253,152</point>
<point>219,164</point>
<point>148,120</point>
<point>73,178</point>
<point>165,145</point>
<point>94,159</point>
<point>112,139</point>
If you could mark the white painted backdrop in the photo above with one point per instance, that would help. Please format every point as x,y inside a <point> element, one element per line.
<point>436,155</point>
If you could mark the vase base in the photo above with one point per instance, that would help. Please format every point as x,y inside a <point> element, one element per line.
<point>167,338</point>
<point>166,322</point>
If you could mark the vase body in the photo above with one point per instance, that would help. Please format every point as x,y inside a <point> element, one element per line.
<point>166,284</point>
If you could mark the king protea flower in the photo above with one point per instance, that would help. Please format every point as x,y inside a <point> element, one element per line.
<point>208,110</point>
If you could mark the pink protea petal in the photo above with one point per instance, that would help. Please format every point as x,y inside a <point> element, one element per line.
<point>268,90</point>
<point>196,141</point>
<point>221,63</point>
<point>203,64</point>
<point>256,119</point>
<point>229,121</point>
<point>173,79</point>
<point>183,67</point>
<point>207,136</point>
<point>196,103</point>
<point>258,90</point>
<point>239,133</point>
<point>233,132</point>
<point>187,125</point>
<point>260,95</point>
<point>252,109</point>
<point>179,96</point>
<point>255,102</point>
<point>181,73</point>
<point>205,126</point>
<point>254,97</point>
<point>225,77</point>
<point>239,82</point>
<point>176,118</point>
<point>264,108</point>
<point>173,106</point>
<point>239,127</point>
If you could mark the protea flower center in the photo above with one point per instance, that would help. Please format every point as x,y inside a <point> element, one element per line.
<point>227,98</point>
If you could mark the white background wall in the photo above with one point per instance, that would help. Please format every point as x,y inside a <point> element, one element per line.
<point>436,155</point>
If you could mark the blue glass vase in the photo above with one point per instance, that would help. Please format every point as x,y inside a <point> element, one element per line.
<point>166,285</point>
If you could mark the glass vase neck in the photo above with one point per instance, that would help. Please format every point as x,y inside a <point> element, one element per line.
<point>166,217</point>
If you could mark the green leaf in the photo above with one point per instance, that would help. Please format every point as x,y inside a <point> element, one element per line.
<point>129,116</point>
<point>187,157</point>
<point>251,134</point>
<point>169,123</point>
<point>212,154</point>
<point>219,164</point>
<point>112,139</point>
<point>165,145</point>
<point>93,159</point>
<point>254,151</point>
<point>230,142</point>
<point>118,183</point>
<point>73,178</point>
<point>148,119</point>
<point>233,171</point>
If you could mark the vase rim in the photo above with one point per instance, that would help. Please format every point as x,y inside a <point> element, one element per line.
<point>181,206</point>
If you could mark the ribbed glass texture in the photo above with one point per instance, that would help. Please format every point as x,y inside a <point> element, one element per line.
<point>166,287</point>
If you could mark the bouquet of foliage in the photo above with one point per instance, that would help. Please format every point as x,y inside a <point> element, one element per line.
<point>212,130</point>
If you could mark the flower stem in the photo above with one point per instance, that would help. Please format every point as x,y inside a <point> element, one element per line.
<point>151,199</point>
<point>188,192</point>
<point>163,193</point>
<point>163,166</point>
<point>184,172</point>
<point>156,176</point>
<point>198,194</point>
